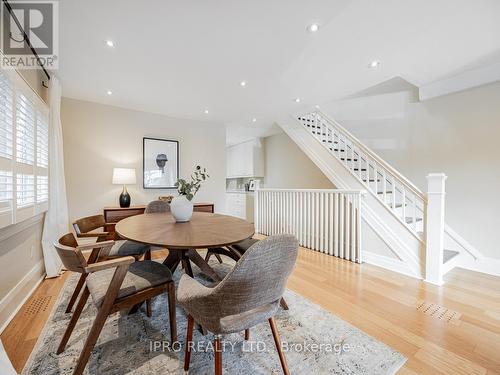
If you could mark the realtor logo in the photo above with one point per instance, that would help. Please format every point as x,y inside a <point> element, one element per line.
<point>25,23</point>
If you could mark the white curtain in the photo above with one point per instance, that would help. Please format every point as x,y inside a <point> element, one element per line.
<point>56,218</point>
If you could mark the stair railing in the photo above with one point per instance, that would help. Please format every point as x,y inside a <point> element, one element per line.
<point>394,190</point>
<point>324,220</point>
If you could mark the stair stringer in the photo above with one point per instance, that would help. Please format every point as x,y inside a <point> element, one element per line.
<point>401,241</point>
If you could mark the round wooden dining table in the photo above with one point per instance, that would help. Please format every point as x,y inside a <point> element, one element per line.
<point>183,240</point>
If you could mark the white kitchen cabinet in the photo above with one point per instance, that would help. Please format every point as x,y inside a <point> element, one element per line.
<point>245,159</point>
<point>240,204</point>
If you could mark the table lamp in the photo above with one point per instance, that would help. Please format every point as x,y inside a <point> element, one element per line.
<point>124,176</point>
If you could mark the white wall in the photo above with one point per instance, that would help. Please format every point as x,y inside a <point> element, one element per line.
<point>99,137</point>
<point>457,134</point>
<point>287,166</point>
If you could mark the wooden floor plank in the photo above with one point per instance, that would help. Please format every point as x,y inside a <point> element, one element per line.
<point>381,303</point>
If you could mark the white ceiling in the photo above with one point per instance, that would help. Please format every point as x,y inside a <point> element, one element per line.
<point>181,57</point>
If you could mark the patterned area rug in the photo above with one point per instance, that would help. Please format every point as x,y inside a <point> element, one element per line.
<point>315,342</point>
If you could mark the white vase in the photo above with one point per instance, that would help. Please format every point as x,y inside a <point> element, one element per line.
<point>181,208</point>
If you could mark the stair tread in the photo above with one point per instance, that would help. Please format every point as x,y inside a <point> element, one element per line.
<point>398,205</point>
<point>449,255</point>
<point>409,220</point>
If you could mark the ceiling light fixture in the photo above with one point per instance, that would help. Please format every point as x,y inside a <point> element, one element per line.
<point>109,92</point>
<point>374,64</point>
<point>297,100</point>
<point>313,28</point>
<point>254,120</point>
<point>243,83</point>
<point>206,111</point>
<point>110,43</point>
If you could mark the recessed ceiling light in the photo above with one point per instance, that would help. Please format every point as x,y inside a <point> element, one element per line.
<point>109,92</point>
<point>374,64</point>
<point>317,106</point>
<point>313,28</point>
<point>243,83</point>
<point>110,43</point>
<point>206,111</point>
<point>254,120</point>
<point>297,100</point>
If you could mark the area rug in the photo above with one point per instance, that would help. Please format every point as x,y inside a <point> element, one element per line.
<point>315,342</point>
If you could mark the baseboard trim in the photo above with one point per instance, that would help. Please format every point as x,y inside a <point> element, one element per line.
<point>391,264</point>
<point>487,265</point>
<point>35,276</point>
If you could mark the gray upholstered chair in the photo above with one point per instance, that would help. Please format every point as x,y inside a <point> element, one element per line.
<point>248,295</point>
<point>235,252</point>
<point>87,227</point>
<point>157,206</point>
<point>114,285</point>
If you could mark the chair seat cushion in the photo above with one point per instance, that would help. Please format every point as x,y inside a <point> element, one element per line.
<point>140,276</point>
<point>244,245</point>
<point>123,248</point>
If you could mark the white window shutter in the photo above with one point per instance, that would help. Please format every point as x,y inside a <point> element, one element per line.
<point>24,150</point>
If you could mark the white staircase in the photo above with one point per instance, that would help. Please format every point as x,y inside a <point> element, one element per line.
<point>409,222</point>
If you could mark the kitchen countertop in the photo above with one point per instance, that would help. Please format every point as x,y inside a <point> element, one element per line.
<point>239,192</point>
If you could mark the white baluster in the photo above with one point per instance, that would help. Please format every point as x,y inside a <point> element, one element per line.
<point>256,213</point>
<point>415,212</point>
<point>321,222</point>
<point>384,186</point>
<point>341,224</point>
<point>347,241</point>
<point>403,197</point>
<point>330,222</point>
<point>393,195</point>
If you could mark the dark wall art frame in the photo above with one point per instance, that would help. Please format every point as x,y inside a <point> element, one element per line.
<point>162,158</point>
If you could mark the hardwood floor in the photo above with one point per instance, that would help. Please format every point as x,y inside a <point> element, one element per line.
<point>395,309</point>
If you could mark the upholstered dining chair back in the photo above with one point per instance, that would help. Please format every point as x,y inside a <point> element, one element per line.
<point>259,277</point>
<point>70,255</point>
<point>88,224</point>
<point>157,206</point>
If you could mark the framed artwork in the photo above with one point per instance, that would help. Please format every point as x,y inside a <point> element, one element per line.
<point>160,158</point>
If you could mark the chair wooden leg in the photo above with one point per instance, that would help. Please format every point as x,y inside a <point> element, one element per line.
<point>207,257</point>
<point>218,258</point>
<point>189,339</point>
<point>277,342</point>
<point>218,356</point>
<point>247,334</point>
<point>283,304</point>
<point>147,256</point>
<point>91,339</point>
<point>74,319</point>
<point>78,288</point>
<point>171,312</point>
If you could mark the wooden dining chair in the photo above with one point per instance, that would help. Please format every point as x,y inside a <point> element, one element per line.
<point>94,227</point>
<point>248,295</point>
<point>113,284</point>
<point>157,206</point>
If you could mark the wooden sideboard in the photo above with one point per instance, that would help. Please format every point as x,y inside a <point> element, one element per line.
<point>113,215</point>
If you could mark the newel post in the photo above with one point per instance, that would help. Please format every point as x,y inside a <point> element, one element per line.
<point>256,214</point>
<point>435,228</point>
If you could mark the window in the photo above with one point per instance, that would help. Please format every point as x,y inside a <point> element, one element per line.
<point>24,150</point>
<point>25,190</point>
<point>6,117</point>
<point>42,189</point>
<point>25,130</point>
